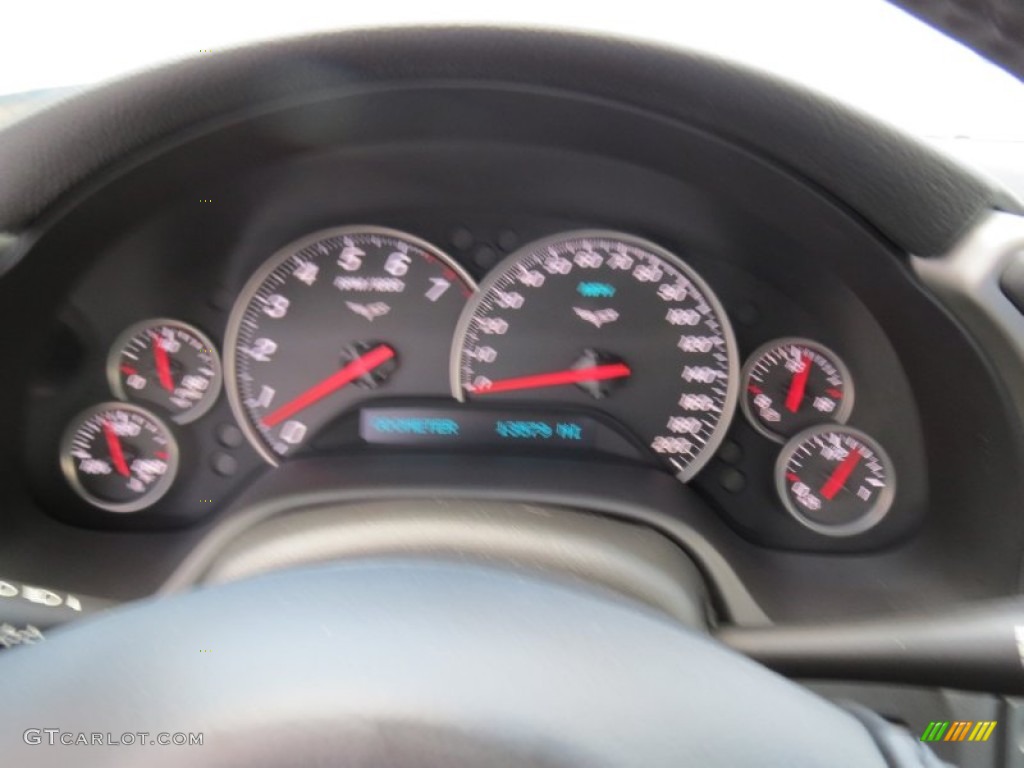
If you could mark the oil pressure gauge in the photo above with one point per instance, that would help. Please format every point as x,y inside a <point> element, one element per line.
<point>119,457</point>
<point>168,365</point>
<point>791,384</point>
<point>835,480</point>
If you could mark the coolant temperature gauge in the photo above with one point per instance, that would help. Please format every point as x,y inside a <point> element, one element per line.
<point>119,457</point>
<point>166,364</point>
<point>835,480</point>
<point>792,384</point>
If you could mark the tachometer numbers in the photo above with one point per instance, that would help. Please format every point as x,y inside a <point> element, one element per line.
<point>791,384</point>
<point>334,319</point>
<point>119,457</point>
<point>835,480</point>
<point>168,365</point>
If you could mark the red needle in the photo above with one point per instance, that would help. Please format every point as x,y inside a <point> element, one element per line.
<point>841,474</point>
<point>163,364</point>
<point>359,367</point>
<point>116,453</point>
<point>798,385</point>
<point>572,376</point>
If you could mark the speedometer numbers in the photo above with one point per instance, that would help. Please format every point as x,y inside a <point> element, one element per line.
<point>119,457</point>
<point>334,318</point>
<point>610,321</point>
<point>791,384</point>
<point>166,364</point>
<point>835,480</point>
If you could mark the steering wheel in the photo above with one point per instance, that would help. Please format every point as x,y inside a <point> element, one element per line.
<point>406,661</point>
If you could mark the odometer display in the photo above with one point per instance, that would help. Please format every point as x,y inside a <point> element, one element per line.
<point>336,318</point>
<point>609,321</point>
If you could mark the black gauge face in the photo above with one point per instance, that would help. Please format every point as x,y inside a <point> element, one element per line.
<point>835,480</point>
<point>611,322</point>
<point>119,457</point>
<point>792,384</point>
<point>333,319</point>
<point>168,365</point>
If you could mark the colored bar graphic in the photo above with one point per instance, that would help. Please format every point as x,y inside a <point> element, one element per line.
<point>935,731</point>
<point>958,730</point>
<point>982,731</point>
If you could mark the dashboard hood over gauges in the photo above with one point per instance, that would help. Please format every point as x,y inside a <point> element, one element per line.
<point>888,179</point>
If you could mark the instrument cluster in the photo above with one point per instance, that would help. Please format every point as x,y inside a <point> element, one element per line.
<point>581,342</point>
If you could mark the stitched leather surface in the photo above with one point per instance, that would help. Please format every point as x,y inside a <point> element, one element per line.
<point>918,198</point>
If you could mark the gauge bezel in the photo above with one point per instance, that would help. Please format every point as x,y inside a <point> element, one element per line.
<point>248,291</point>
<point>197,411</point>
<point>732,350</point>
<point>864,523</point>
<point>153,494</point>
<point>849,391</point>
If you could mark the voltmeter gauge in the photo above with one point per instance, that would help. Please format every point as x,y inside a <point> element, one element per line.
<point>168,365</point>
<point>835,480</point>
<point>119,457</point>
<point>791,384</point>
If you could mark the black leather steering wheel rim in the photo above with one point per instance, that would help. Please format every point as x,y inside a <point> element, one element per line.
<point>406,663</point>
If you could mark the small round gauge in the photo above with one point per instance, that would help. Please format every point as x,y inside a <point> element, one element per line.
<point>791,384</point>
<point>333,319</point>
<point>119,457</point>
<point>835,480</point>
<point>168,365</point>
<point>608,321</point>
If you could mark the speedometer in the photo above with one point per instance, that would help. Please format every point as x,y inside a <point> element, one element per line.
<point>609,321</point>
<point>336,318</point>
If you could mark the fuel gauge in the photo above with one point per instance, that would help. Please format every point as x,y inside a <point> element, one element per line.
<point>791,384</point>
<point>166,364</point>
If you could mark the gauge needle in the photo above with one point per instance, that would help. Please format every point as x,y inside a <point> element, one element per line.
<point>557,378</point>
<point>798,386</point>
<point>116,452</point>
<point>361,366</point>
<point>841,474</point>
<point>163,363</point>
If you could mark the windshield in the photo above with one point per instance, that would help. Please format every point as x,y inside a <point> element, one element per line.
<point>866,53</point>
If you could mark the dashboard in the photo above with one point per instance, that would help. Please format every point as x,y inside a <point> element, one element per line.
<point>584,295</point>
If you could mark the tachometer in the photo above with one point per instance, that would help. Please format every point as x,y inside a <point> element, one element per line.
<point>332,319</point>
<point>612,321</point>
